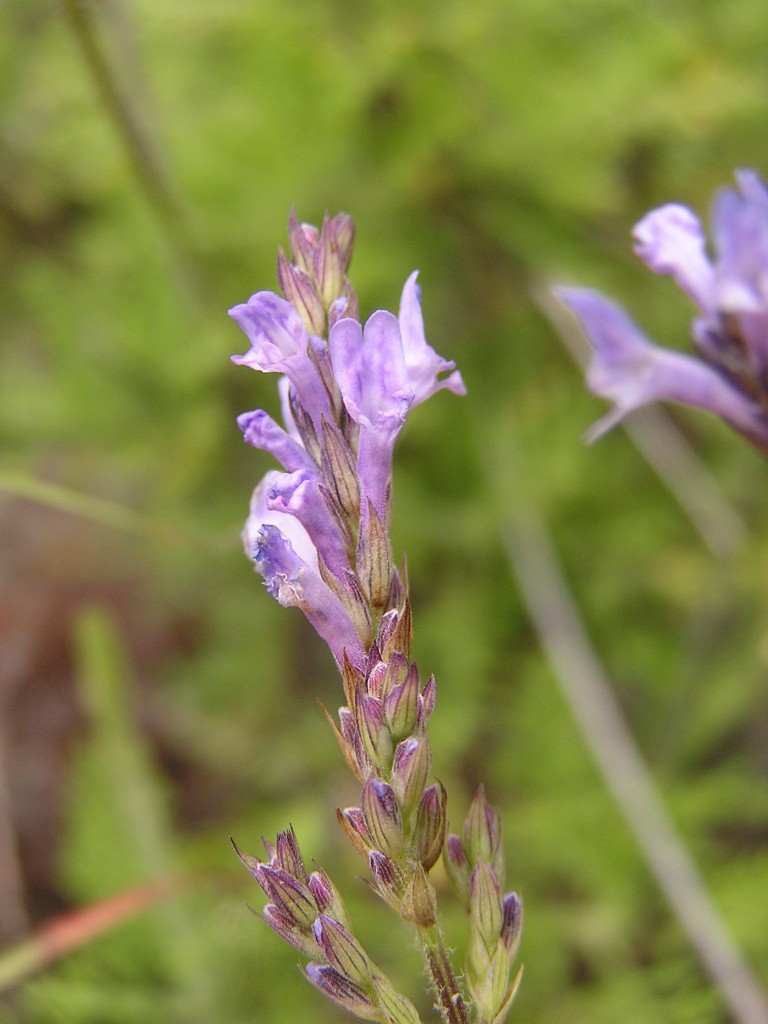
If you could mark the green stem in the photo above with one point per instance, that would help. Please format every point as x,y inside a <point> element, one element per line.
<point>450,999</point>
<point>144,155</point>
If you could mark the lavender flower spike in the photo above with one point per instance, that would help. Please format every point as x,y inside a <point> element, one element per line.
<point>319,532</point>
<point>730,334</point>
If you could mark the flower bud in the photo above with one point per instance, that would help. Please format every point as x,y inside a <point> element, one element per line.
<point>457,867</point>
<point>429,833</point>
<point>401,705</point>
<point>344,230</point>
<point>382,816</point>
<point>419,900</point>
<point>512,923</point>
<point>374,679</point>
<point>489,988</point>
<point>374,730</point>
<point>293,898</point>
<point>374,562</point>
<point>288,855</point>
<point>351,735</point>
<point>281,923</point>
<point>342,307</point>
<point>397,636</point>
<point>303,239</point>
<point>427,701</point>
<point>396,671</point>
<point>410,768</point>
<point>397,1009</point>
<point>328,264</point>
<point>340,470</point>
<point>299,290</point>
<point>482,834</point>
<point>386,877</point>
<point>384,632</point>
<point>342,951</point>
<point>352,821</point>
<point>485,910</point>
<point>341,991</point>
<point>327,897</point>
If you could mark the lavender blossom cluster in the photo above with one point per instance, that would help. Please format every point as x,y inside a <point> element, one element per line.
<point>730,332</point>
<point>319,534</point>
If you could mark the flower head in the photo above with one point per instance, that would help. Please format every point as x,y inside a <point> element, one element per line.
<point>730,332</point>
<point>319,531</point>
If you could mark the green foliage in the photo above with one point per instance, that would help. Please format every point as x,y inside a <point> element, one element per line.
<point>497,147</point>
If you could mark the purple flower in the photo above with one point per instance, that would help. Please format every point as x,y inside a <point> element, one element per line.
<point>631,371</point>
<point>280,344</point>
<point>369,366</point>
<point>730,334</point>
<point>260,430</point>
<point>383,370</point>
<point>423,365</point>
<point>286,556</point>
<point>299,495</point>
<point>293,581</point>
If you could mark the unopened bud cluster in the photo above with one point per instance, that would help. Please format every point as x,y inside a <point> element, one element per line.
<point>399,826</point>
<point>306,910</point>
<point>314,280</point>
<point>474,863</point>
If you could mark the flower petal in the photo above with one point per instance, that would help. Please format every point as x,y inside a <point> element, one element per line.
<point>290,527</point>
<point>671,241</point>
<point>740,229</point>
<point>261,431</point>
<point>423,364</point>
<point>631,371</point>
<point>292,581</point>
<point>298,494</point>
<point>370,369</point>
<point>279,344</point>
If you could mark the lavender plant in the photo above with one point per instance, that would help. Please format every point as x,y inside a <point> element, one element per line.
<point>730,333</point>
<point>319,534</point>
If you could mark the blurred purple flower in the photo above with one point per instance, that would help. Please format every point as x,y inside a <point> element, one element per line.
<point>730,334</point>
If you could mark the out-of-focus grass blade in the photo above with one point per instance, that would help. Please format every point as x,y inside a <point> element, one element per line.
<point>68,932</point>
<point>122,824</point>
<point>583,682</point>
<point>99,510</point>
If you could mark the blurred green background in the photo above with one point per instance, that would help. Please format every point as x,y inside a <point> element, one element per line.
<point>154,698</point>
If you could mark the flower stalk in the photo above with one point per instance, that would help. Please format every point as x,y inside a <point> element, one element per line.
<point>319,534</point>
